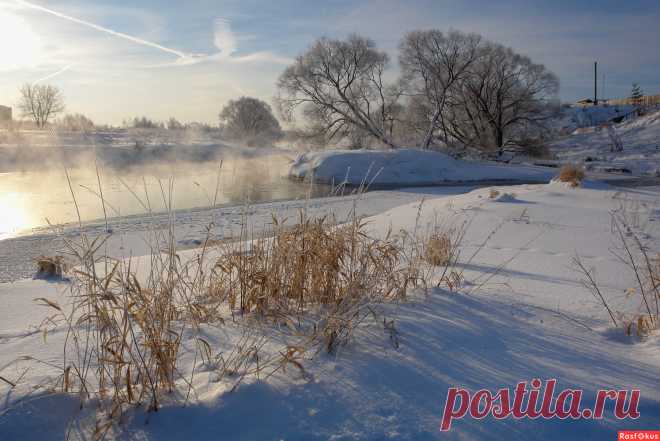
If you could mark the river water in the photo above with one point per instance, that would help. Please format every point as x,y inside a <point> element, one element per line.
<point>33,199</point>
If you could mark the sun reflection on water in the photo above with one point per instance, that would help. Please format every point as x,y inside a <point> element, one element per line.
<point>14,215</point>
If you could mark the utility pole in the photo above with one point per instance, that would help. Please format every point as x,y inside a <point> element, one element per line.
<point>595,83</point>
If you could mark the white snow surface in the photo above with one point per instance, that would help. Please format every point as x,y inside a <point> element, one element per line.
<point>522,314</point>
<point>406,167</point>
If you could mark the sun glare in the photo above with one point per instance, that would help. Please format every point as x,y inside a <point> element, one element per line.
<point>14,215</point>
<point>20,46</point>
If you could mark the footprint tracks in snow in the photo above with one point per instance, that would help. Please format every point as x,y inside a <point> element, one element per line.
<point>545,252</point>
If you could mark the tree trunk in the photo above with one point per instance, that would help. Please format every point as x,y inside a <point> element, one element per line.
<point>429,134</point>
<point>499,140</point>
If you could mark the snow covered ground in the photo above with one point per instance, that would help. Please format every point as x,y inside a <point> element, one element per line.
<point>406,167</point>
<point>640,138</point>
<point>521,314</point>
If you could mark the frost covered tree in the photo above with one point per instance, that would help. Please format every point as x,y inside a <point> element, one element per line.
<point>76,123</point>
<point>250,119</point>
<point>40,102</point>
<point>504,95</point>
<point>464,89</point>
<point>434,64</point>
<point>174,124</point>
<point>142,123</point>
<point>636,94</point>
<point>455,88</point>
<point>339,86</point>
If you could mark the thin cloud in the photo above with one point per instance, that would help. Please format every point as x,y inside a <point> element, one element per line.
<point>226,42</point>
<point>140,41</point>
<point>223,37</point>
<point>263,57</point>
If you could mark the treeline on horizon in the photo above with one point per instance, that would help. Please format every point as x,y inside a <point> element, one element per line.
<point>452,90</point>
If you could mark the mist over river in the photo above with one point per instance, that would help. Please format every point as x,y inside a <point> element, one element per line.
<point>36,198</point>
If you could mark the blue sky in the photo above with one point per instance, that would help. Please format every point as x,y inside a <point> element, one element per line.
<point>118,59</point>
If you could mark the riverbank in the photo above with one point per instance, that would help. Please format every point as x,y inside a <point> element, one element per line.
<point>408,167</point>
<point>17,254</point>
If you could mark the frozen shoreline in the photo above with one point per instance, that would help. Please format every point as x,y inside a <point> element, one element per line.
<point>17,254</point>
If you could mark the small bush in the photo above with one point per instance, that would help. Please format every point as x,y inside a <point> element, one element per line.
<point>50,267</point>
<point>571,174</point>
<point>493,193</point>
<point>535,148</point>
<point>641,326</point>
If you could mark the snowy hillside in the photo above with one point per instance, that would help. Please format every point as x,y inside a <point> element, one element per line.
<point>575,117</point>
<point>640,139</point>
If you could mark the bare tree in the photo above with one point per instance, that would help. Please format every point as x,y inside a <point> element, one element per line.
<point>455,87</point>
<point>250,119</point>
<point>340,87</point>
<point>174,124</point>
<point>433,65</point>
<point>40,102</point>
<point>504,94</point>
<point>76,123</point>
<point>142,122</point>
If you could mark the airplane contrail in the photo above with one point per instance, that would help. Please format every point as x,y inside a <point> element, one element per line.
<point>54,74</point>
<point>103,29</point>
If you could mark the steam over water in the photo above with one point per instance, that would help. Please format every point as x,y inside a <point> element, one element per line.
<point>140,170</point>
<point>31,199</point>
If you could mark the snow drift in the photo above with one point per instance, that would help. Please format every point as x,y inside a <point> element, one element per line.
<point>406,167</point>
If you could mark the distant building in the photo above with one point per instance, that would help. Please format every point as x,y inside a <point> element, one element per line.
<point>585,102</point>
<point>645,101</point>
<point>5,114</point>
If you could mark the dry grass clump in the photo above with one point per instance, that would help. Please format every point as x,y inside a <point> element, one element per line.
<point>493,193</point>
<point>50,267</point>
<point>439,249</point>
<point>124,334</point>
<point>432,251</point>
<point>315,268</point>
<point>126,329</point>
<point>571,174</point>
<point>646,269</point>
